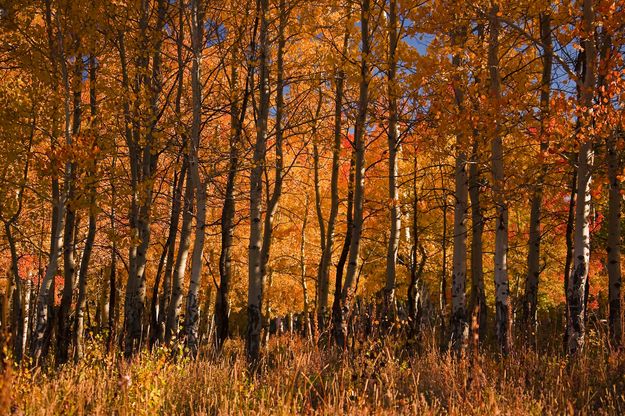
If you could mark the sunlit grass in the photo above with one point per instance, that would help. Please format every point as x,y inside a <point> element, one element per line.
<point>297,377</point>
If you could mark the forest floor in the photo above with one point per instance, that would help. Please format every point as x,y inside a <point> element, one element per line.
<point>383,377</point>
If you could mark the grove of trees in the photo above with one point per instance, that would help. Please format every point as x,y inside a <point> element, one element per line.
<point>178,173</point>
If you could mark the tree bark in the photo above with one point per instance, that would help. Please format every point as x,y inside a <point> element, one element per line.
<point>92,227</point>
<point>192,306</point>
<point>533,256</point>
<point>339,327</point>
<point>144,161</point>
<point>59,198</point>
<point>326,256</point>
<point>459,324</point>
<point>71,223</point>
<point>158,310</point>
<point>614,243</point>
<point>416,269</point>
<point>255,277</point>
<point>359,155</point>
<point>303,277</point>
<point>576,291</point>
<point>502,295</point>
<point>175,304</point>
<point>237,117</point>
<point>393,167</point>
<point>166,298</point>
<point>478,295</point>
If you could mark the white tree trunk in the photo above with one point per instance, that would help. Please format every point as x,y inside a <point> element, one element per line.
<point>192,306</point>
<point>581,253</point>
<point>459,324</point>
<point>502,295</point>
<point>359,154</point>
<point>393,167</point>
<point>255,278</point>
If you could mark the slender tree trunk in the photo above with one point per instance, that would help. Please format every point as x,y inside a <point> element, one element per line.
<point>26,307</point>
<point>359,155</point>
<point>71,223</point>
<point>18,314</point>
<point>414,287</point>
<point>570,220</point>
<point>442,293</point>
<point>206,326</point>
<point>192,306</point>
<point>459,324</point>
<point>175,304</point>
<point>533,255</point>
<point>613,248</point>
<point>478,295</point>
<point>222,302</point>
<point>322,283</point>
<point>502,295</point>
<point>614,243</point>
<point>237,117</point>
<point>144,161</point>
<point>166,298</point>
<point>92,227</point>
<point>21,305</point>
<point>43,327</point>
<point>302,262</point>
<point>339,325</point>
<point>326,256</point>
<point>393,167</point>
<point>576,291</point>
<point>255,284</point>
<point>159,303</point>
<point>273,200</point>
<point>322,271</point>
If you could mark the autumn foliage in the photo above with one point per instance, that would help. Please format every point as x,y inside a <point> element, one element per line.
<point>336,205</point>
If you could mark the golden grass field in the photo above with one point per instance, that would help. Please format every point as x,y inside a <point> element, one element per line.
<point>295,377</point>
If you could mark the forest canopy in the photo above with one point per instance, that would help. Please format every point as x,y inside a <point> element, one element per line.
<point>186,172</point>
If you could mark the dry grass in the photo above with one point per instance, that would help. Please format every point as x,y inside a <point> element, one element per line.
<point>296,377</point>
